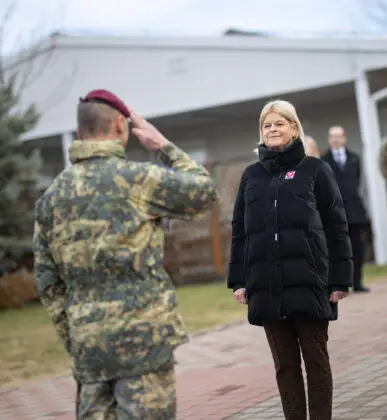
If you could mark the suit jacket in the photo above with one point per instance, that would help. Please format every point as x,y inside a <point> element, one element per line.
<point>348,180</point>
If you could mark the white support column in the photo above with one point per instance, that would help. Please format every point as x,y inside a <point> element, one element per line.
<point>370,135</point>
<point>67,139</point>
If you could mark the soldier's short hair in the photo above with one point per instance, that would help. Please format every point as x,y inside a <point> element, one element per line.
<point>94,119</point>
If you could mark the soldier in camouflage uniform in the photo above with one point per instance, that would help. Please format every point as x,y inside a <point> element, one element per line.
<point>99,261</point>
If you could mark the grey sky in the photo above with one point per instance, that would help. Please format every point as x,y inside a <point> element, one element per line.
<point>177,17</point>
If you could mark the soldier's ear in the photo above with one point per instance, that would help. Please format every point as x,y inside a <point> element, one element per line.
<point>120,122</point>
<point>78,134</point>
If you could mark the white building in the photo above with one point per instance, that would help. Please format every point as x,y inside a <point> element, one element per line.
<point>205,94</point>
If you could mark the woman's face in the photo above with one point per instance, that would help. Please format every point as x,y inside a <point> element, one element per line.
<point>277,131</point>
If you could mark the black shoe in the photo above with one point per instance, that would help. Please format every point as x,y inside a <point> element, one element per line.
<point>362,289</point>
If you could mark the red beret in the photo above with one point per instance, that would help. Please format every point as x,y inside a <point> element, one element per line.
<point>108,98</point>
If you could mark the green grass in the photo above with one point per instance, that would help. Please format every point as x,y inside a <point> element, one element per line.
<point>207,305</point>
<point>374,272</point>
<point>29,347</point>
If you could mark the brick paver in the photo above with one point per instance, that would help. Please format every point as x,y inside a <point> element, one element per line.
<point>228,373</point>
<point>361,393</point>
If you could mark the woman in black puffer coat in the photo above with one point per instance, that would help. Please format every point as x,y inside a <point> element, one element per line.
<point>291,258</point>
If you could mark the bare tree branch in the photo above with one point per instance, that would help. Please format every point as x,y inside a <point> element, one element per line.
<point>7,15</point>
<point>63,87</point>
<point>40,56</point>
<point>30,63</point>
<point>376,11</point>
<point>26,58</point>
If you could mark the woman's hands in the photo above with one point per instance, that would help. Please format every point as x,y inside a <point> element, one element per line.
<point>240,295</point>
<point>338,295</point>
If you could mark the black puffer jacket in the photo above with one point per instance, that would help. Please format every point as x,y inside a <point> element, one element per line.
<point>290,245</point>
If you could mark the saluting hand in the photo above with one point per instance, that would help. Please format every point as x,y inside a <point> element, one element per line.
<point>147,134</point>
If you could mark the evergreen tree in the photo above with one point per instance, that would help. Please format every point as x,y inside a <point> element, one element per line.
<point>18,178</point>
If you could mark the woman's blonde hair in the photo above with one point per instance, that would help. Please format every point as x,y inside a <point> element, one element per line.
<point>314,149</point>
<point>287,111</point>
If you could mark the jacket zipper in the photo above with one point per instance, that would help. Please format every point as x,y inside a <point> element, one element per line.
<point>276,232</point>
<point>276,221</point>
<point>276,229</point>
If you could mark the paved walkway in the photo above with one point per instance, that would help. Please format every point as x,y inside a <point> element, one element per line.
<point>228,373</point>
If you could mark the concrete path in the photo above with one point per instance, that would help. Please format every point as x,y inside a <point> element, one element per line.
<point>228,373</point>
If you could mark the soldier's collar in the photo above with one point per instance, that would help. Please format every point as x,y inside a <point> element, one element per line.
<point>88,149</point>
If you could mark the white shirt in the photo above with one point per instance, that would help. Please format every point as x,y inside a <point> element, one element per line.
<point>340,156</point>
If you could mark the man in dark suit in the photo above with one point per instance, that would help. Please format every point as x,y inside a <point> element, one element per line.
<point>346,167</point>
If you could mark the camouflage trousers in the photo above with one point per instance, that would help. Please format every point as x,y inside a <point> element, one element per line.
<point>148,397</point>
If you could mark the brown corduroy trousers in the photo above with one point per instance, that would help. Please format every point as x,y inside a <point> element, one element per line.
<point>287,340</point>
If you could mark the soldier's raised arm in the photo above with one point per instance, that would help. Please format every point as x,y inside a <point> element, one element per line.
<point>179,187</point>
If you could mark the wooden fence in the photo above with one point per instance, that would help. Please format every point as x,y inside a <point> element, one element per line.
<point>199,250</point>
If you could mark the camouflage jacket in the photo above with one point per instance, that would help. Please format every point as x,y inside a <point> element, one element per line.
<point>98,246</point>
